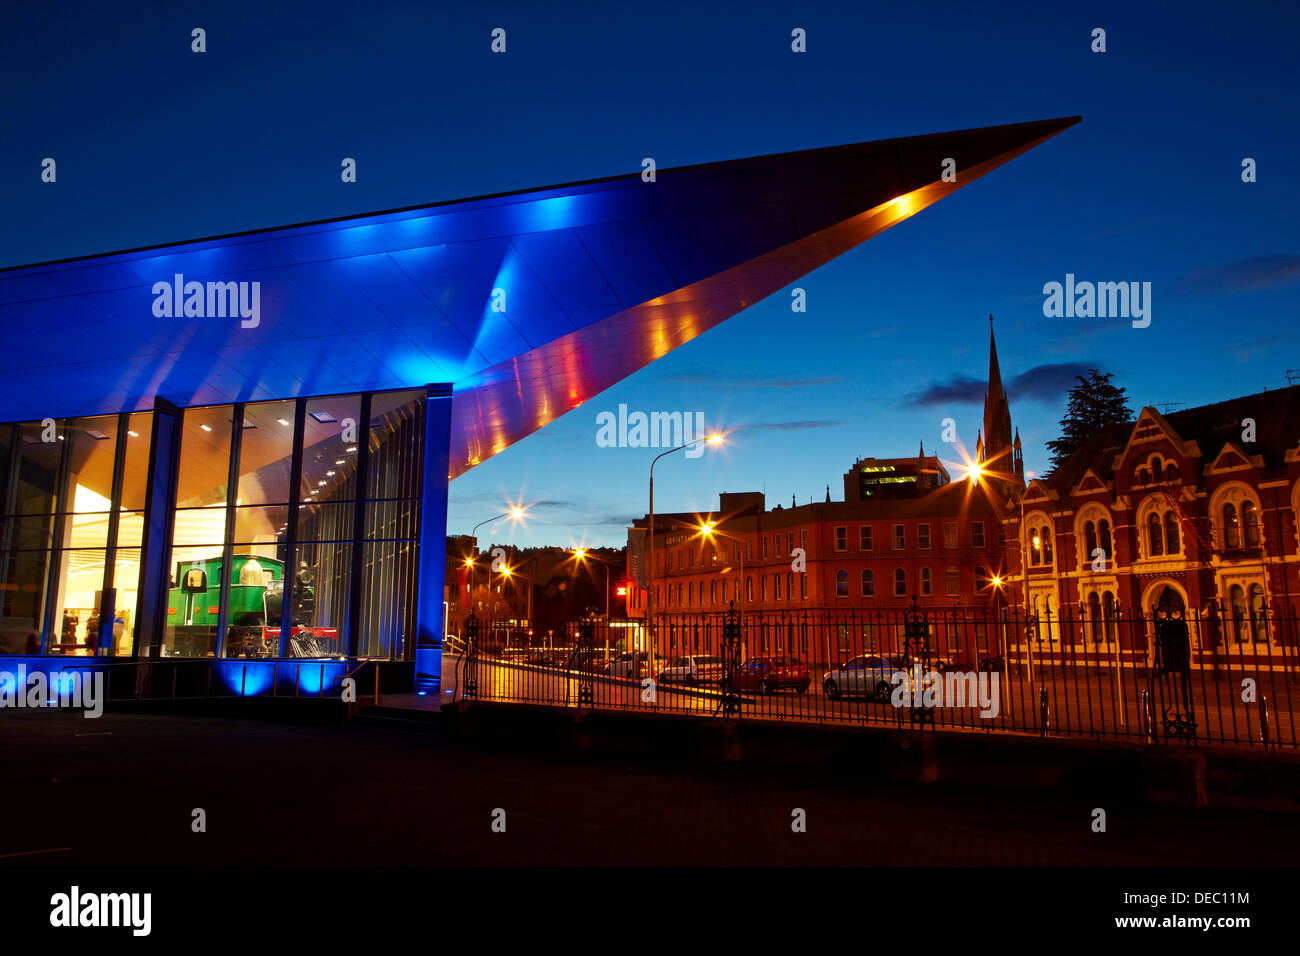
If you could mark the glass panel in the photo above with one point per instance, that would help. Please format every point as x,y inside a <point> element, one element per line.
<point>193,601</point>
<point>330,447</point>
<point>38,468</point>
<point>322,596</point>
<point>22,592</point>
<point>139,432</point>
<point>205,457</point>
<point>200,526</point>
<point>76,603</point>
<point>265,453</point>
<point>260,525</point>
<point>130,530</point>
<point>388,590</point>
<point>126,579</point>
<point>396,444</point>
<point>256,593</point>
<point>326,522</point>
<point>393,519</point>
<point>92,443</point>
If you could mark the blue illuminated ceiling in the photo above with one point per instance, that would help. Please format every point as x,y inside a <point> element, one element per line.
<point>600,278</point>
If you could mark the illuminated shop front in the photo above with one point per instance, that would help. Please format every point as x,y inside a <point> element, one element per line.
<point>76,494</point>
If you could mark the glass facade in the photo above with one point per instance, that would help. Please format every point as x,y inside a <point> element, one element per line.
<point>294,531</point>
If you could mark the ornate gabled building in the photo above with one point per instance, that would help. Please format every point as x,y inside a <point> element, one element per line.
<point>1201,502</point>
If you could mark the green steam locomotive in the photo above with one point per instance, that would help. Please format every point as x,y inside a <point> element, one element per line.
<point>256,602</point>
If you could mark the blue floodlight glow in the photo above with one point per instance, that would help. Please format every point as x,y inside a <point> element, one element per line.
<point>246,678</point>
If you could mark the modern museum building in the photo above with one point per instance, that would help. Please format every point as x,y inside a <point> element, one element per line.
<point>240,447</point>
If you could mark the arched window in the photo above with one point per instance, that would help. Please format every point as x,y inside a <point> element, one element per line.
<point>1155,535</point>
<point>1257,612</point>
<point>1172,543</point>
<point>713,591</point>
<point>1110,613</point>
<point>1237,598</point>
<point>749,589</point>
<point>690,593</point>
<point>868,583</point>
<point>900,582</point>
<point>1094,617</point>
<point>789,585</point>
<point>776,587</point>
<point>1104,531</point>
<point>1035,548</point>
<point>1231,527</point>
<point>841,583</point>
<point>1250,523</point>
<point>1045,533</point>
<point>927,582</point>
<point>1089,541</point>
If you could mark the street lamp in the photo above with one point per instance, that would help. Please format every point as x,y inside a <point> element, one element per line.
<point>515,514</point>
<point>709,529</point>
<point>580,555</point>
<point>714,439</point>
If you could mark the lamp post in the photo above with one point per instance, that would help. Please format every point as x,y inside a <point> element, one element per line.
<point>650,593</point>
<point>516,514</point>
<point>580,555</point>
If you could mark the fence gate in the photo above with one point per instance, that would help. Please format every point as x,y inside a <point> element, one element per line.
<point>469,662</point>
<point>916,650</point>
<point>730,703</point>
<point>1171,678</point>
<point>587,663</point>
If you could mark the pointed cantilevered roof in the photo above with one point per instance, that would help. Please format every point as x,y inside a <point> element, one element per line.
<point>595,279</point>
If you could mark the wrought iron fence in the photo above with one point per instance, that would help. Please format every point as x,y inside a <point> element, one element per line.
<point>1171,676</point>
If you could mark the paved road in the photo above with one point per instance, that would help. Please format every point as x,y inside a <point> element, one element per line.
<point>121,790</point>
<point>1080,702</point>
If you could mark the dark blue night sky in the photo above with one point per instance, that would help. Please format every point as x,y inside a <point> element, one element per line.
<point>156,144</point>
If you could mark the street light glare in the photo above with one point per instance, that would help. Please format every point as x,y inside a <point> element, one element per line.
<point>973,472</point>
<point>714,439</point>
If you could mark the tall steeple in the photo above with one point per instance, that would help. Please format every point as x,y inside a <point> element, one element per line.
<point>997,416</point>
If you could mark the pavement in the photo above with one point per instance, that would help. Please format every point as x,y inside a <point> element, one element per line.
<point>122,790</point>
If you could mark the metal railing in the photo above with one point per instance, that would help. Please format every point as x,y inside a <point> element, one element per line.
<point>1221,678</point>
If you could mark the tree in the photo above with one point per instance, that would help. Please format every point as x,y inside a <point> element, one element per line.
<point>1094,403</point>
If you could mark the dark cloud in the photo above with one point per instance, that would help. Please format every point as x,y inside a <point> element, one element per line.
<point>1042,383</point>
<point>1245,275</point>
<point>1047,383</point>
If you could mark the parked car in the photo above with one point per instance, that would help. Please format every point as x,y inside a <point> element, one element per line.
<point>545,657</point>
<point>588,661</point>
<point>767,675</point>
<point>692,669</point>
<point>516,655</point>
<point>992,664</point>
<point>632,664</point>
<point>863,676</point>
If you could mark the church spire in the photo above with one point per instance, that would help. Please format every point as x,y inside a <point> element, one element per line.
<point>997,415</point>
